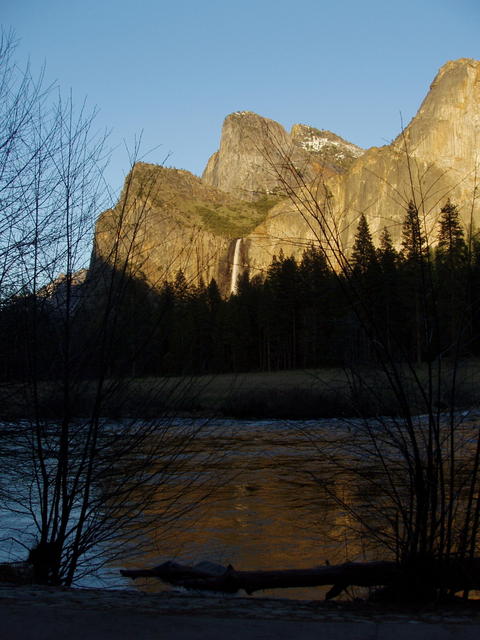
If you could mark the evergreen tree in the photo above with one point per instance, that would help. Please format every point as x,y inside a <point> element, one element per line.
<point>216,326</point>
<point>387,255</point>
<point>319,302</point>
<point>181,286</point>
<point>416,288</point>
<point>364,285</point>
<point>389,307</point>
<point>474,293</point>
<point>213,295</point>
<point>363,252</point>
<point>451,262</point>
<point>451,249</point>
<point>413,239</point>
<point>282,291</point>
<point>162,347</point>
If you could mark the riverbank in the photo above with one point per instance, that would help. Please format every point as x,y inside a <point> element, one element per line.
<point>293,394</point>
<point>30,612</point>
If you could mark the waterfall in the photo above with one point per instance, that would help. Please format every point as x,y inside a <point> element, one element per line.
<point>235,266</point>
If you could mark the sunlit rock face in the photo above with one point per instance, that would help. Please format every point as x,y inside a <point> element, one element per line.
<point>160,227</point>
<point>446,128</point>
<point>167,219</point>
<point>240,166</point>
<point>435,158</point>
<point>255,155</point>
<point>330,153</point>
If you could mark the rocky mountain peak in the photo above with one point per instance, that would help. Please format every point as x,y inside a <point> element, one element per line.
<point>253,150</point>
<point>236,214</point>
<point>326,146</point>
<point>434,158</point>
<point>239,166</point>
<point>447,125</point>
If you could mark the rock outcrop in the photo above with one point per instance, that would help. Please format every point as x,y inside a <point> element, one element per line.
<point>240,166</point>
<point>168,219</point>
<point>328,150</point>
<point>251,161</point>
<point>435,158</point>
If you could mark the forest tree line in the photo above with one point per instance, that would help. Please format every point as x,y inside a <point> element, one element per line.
<point>299,314</point>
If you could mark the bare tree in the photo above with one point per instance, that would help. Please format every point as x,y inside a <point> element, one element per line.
<point>83,489</point>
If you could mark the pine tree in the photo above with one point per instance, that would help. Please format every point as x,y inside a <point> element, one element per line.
<point>415,285</point>
<point>181,286</point>
<point>213,295</point>
<point>413,239</point>
<point>365,286</point>
<point>451,249</point>
<point>451,261</point>
<point>389,308</point>
<point>387,255</point>
<point>282,296</point>
<point>317,310</point>
<point>363,252</point>
<point>475,293</point>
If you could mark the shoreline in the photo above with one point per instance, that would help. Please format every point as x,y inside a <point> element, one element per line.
<point>215,604</point>
<point>30,612</point>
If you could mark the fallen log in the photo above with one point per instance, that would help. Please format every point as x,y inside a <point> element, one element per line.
<point>231,581</point>
<point>174,573</point>
<point>454,576</point>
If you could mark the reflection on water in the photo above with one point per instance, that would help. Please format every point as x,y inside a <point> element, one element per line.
<point>264,510</point>
<point>267,496</point>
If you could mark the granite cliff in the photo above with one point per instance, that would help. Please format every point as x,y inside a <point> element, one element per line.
<point>251,158</point>
<point>169,220</point>
<point>435,157</point>
<point>237,216</point>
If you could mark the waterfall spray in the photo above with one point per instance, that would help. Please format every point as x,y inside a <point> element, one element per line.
<point>235,266</point>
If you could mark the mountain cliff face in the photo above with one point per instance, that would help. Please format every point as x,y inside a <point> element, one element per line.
<point>169,220</point>
<point>175,220</point>
<point>436,157</point>
<point>447,125</point>
<point>251,158</point>
<point>325,148</point>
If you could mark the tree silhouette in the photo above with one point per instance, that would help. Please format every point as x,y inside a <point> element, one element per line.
<point>413,238</point>
<point>363,250</point>
<point>451,249</point>
<point>453,280</point>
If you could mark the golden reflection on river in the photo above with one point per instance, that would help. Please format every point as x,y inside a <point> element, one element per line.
<point>265,512</point>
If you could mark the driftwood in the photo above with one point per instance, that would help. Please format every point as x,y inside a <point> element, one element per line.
<point>455,576</point>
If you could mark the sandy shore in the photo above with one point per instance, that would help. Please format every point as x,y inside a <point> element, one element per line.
<point>42,613</point>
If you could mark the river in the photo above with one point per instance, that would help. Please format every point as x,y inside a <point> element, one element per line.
<point>265,509</point>
<point>270,497</point>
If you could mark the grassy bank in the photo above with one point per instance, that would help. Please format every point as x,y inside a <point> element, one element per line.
<point>305,394</point>
<point>308,394</point>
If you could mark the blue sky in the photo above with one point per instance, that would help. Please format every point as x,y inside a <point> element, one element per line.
<point>175,69</point>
